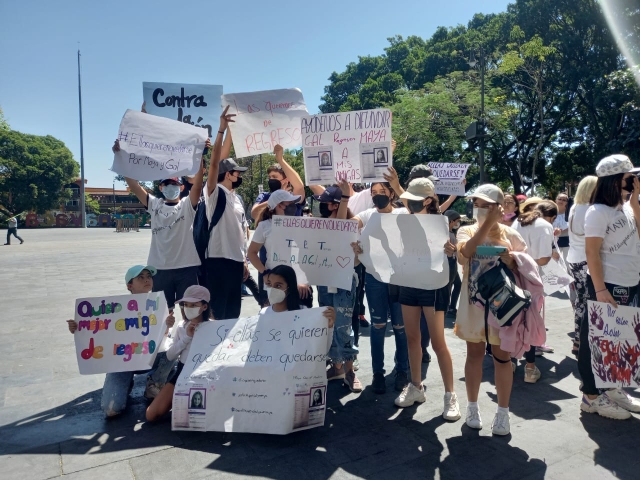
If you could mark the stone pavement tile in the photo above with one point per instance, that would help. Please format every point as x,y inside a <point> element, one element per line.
<point>580,466</point>
<point>35,464</point>
<point>104,448</point>
<point>117,470</point>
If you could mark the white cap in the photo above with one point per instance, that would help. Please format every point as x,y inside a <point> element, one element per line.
<point>613,164</point>
<point>280,196</point>
<point>489,193</point>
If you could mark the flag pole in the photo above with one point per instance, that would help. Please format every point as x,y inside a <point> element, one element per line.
<point>83,213</point>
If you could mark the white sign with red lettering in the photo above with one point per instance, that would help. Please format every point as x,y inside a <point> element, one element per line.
<point>265,119</point>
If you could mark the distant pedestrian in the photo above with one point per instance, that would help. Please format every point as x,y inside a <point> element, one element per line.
<point>13,230</point>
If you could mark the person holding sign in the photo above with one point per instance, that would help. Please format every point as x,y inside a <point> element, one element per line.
<point>226,266</point>
<point>382,298</point>
<point>421,199</point>
<point>118,385</point>
<point>612,245</point>
<point>172,251</point>
<point>280,202</point>
<point>195,310</point>
<point>487,209</point>
<point>334,204</point>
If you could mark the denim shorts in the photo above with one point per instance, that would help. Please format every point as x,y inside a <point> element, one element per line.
<point>417,297</point>
<point>173,378</point>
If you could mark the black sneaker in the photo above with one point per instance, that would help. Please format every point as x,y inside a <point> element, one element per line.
<point>426,356</point>
<point>379,385</point>
<point>364,323</point>
<point>401,381</point>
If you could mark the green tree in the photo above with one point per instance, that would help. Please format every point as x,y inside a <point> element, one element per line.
<point>33,171</point>
<point>4,125</point>
<point>91,205</point>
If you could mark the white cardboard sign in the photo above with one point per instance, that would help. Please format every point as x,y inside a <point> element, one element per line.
<point>265,119</point>
<point>450,177</point>
<point>193,104</point>
<point>153,148</point>
<point>263,374</point>
<point>119,333</point>
<point>406,250</point>
<point>351,145</point>
<point>319,249</point>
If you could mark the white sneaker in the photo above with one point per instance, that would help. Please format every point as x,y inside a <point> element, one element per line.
<point>473,418</point>
<point>451,407</point>
<point>623,400</point>
<point>500,424</point>
<point>603,407</point>
<point>410,395</point>
<point>531,375</point>
<point>544,349</point>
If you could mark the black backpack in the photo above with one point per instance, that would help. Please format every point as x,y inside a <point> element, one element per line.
<point>499,294</point>
<point>202,230</point>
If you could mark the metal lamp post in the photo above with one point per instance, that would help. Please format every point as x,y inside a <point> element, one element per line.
<point>481,124</point>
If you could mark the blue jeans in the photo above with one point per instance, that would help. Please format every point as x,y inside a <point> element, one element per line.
<point>118,385</point>
<point>343,348</point>
<point>380,304</point>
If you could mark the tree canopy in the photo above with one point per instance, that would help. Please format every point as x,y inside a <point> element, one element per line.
<point>559,94</point>
<point>34,171</point>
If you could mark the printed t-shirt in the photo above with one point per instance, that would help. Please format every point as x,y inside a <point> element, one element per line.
<point>172,243</point>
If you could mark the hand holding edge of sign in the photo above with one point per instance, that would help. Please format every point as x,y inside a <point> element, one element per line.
<point>330,314</point>
<point>392,177</point>
<point>216,155</point>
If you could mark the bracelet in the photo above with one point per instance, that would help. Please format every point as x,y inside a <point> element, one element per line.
<point>220,132</point>
<point>345,196</point>
<point>601,290</point>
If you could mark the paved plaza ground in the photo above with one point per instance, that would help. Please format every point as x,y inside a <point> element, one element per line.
<point>51,424</point>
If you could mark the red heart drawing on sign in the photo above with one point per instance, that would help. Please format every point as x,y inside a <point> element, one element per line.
<point>343,261</point>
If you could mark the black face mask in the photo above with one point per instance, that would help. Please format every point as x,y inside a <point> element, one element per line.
<point>628,186</point>
<point>274,184</point>
<point>237,183</point>
<point>291,209</point>
<point>325,211</point>
<point>415,206</point>
<point>381,201</point>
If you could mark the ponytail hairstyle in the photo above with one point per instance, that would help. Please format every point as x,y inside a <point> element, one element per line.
<point>266,214</point>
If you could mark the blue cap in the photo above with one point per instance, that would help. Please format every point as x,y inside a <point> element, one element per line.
<point>331,194</point>
<point>136,270</point>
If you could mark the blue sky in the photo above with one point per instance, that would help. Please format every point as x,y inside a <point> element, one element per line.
<point>242,45</point>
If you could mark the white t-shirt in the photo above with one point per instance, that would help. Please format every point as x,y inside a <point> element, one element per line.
<point>366,215</point>
<point>13,222</point>
<point>560,223</point>
<point>172,243</point>
<point>227,238</point>
<point>361,201</point>
<point>620,251</point>
<point>576,234</point>
<point>262,235</point>
<point>538,236</point>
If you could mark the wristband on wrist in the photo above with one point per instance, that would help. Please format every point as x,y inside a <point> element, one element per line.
<point>345,196</point>
<point>601,290</point>
<point>220,132</point>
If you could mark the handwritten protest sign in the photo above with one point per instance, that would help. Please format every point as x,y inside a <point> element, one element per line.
<point>614,337</point>
<point>554,277</point>
<point>197,105</point>
<point>406,250</point>
<point>318,249</point>
<point>450,177</point>
<point>264,374</point>
<point>351,145</point>
<point>265,119</point>
<point>153,148</point>
<point>120,333</point>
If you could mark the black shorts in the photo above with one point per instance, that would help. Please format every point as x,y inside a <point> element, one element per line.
<point>417,297</point>
<point>173,378</point>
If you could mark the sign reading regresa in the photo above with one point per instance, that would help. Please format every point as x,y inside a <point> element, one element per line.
<point>264,374</point>
<point>153,148</point>
<point>614,336</point>
<point>120,333</point>
<point>406,250</point>
<point>318,249</point>
<point>265,119</point>
<point>197,105</point>
<point>351,145</point>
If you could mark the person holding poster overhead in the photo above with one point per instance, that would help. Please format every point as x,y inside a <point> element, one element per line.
<point>343,352</point>
<point>382,298</point>
<point>612,244</point>
<point>118,385</point>
<point>487,209</point>
<point>172,251</point>
<point>421,199</point>
<point>226,265</point>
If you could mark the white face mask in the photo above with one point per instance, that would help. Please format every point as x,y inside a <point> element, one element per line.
<point>275,295</point>
<point>191,312</point>
<point>480,214</point>
<point>171,192</point>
